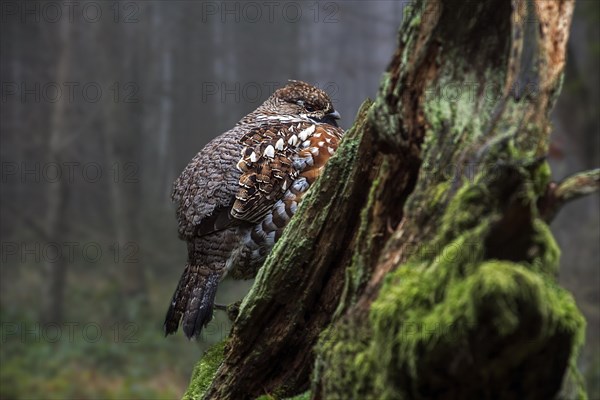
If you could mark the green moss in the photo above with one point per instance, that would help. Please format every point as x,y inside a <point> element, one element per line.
<point>344,366</point>
<point>418,316</point>
<point>438,193</point>
<point>448,296</point>
<point>464,211</point>
<point>204,372</point>
<point>541,178</point>
<point>303,396</point>
<point>356,274</point>
<point>545,250</point>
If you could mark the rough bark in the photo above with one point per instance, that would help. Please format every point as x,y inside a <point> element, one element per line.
<point>421,264</point>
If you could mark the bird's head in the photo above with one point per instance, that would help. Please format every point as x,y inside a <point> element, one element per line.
<point>298,98</point>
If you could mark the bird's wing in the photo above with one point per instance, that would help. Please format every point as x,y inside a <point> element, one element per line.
<point>212,194</point>
<point>274,155</point>
<point>205,191</point>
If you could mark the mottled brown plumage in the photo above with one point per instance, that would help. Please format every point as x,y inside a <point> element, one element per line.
<point>238,193</point>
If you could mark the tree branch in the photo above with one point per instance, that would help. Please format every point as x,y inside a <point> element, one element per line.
<point>572,188</point>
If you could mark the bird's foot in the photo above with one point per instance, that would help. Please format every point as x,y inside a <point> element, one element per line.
<point>232,310</point>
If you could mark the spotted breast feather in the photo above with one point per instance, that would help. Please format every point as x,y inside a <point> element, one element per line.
<point>274,157</point>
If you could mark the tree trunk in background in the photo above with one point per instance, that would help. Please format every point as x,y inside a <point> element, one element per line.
<point>55,268</point>
<point>164,113</point>
<point>420,265</point>
<point>122,138</point>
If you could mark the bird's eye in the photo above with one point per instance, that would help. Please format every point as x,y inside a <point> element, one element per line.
<point>309,108</point>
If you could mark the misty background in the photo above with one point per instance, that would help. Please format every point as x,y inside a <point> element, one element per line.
<point>103,104</point>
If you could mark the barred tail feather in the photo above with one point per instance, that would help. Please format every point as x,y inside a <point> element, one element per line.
<point>193,301</point>
<point>199,310</point>
<point>178,303</point>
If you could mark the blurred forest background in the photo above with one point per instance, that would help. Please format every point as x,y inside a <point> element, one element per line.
<point>102,105</point>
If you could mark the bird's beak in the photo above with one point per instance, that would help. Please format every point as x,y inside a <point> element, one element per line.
<point>334,115</point>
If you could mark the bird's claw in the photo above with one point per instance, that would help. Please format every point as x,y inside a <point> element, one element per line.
<point>232,310</point>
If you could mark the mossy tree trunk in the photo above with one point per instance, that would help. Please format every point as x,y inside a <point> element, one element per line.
<point>421,264</point>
